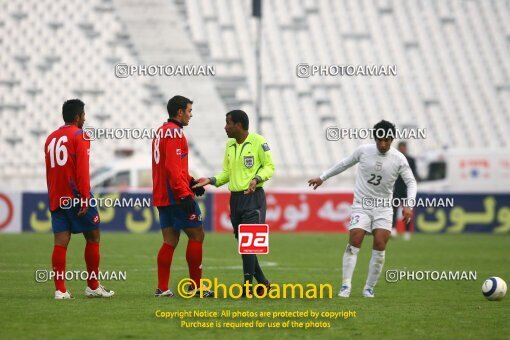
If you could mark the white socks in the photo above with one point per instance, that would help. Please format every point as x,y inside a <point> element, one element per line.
<point>349,262</point>
<point>374,269</point>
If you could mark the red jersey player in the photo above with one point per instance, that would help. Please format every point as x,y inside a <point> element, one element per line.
<point>174,198</point>
<point>67,177</point>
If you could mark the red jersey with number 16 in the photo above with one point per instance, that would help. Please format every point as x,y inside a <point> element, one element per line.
<point>67,164</point>
<point>170,176</point>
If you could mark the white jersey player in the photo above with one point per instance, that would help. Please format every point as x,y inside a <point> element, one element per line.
<point>379,167</point>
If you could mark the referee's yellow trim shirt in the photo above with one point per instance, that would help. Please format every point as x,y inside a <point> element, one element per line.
<point>243,162</point>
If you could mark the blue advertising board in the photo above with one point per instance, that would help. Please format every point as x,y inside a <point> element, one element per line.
<point>484,213</point>
<point>450,213</point>
<point>137,218</point>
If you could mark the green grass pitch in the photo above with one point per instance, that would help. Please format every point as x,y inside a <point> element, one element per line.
<point>408,309</point>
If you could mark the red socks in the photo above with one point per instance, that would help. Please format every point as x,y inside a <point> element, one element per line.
<point>166,252</point>
<point>58,261</point>
<point>92,259</point>
<point>194,258</point>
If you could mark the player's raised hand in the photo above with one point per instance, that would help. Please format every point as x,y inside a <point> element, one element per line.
<point>408,214</point>
<point>202,182</point>
<point>315,182</point>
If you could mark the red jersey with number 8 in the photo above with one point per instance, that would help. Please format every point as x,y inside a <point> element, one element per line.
<point>67,164</point>
<point>170,176</point>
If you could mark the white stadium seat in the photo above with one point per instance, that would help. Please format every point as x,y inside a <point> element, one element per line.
<point>452,64</point>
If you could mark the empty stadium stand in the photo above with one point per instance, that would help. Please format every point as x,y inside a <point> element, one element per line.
<point>452,58</point>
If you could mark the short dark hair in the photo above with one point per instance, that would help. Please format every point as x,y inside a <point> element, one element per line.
<point>71,109</point>
<point>175,103</point>
<point>239,116</point>
<point>402,144</point>
<point>387,128</point>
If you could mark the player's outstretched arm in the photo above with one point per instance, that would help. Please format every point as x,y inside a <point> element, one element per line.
<point>315,182</point>
<point>221,178</point>
<point>343,165</point>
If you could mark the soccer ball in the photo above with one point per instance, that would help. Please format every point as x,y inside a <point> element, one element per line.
<point>494,288</point>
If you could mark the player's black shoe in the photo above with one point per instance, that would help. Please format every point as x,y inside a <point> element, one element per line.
<point>247,293</point>
<point>266,289</point>
<point>166,293</point>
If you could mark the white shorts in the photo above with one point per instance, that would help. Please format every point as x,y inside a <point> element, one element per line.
<point>370,219</point>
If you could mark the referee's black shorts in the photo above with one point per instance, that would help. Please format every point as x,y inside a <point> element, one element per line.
<point>247,209</point>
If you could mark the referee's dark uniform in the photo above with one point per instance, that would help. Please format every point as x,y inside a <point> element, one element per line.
<point>243,163</point>
<point>400,190</point>
<point>248,209</point>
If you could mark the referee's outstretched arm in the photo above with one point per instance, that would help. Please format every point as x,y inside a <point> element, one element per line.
<point>223,177</point>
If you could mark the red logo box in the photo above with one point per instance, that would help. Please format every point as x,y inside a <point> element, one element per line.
<point>253,239</point>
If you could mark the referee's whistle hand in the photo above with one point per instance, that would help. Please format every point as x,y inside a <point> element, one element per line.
<point>315,182</point>
<point>202,182</point>
<point>251,188</point>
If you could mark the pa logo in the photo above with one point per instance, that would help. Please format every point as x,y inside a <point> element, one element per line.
<point>253,239</point>
<point>248,161</point>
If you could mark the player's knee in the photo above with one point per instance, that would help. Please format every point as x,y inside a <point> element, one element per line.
<point>379,245</point>
<point>62,239</point>
<point>173,242</point>
<point>355,243</point>
<point>195,234</point>
<point>356,240</point>
<point>352,249</point>
<point>93,238</point>
<point>381,237</point>
<point>199,235</point>
<point>63,242</point>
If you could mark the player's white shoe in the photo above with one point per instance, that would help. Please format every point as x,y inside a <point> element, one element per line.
<point>344,292</point>
<point>368,293</point>
<point>166,293</point>
<point>407,236</point>
<point>101,292</point>
<point>201,293</point>
<point>63,296</point>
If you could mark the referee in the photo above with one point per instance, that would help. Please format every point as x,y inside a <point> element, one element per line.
<point>400,191</point>
<point>247,165</point>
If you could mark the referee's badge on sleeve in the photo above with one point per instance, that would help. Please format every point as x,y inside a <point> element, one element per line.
<point>248,161</point>
<point>265,147</point>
